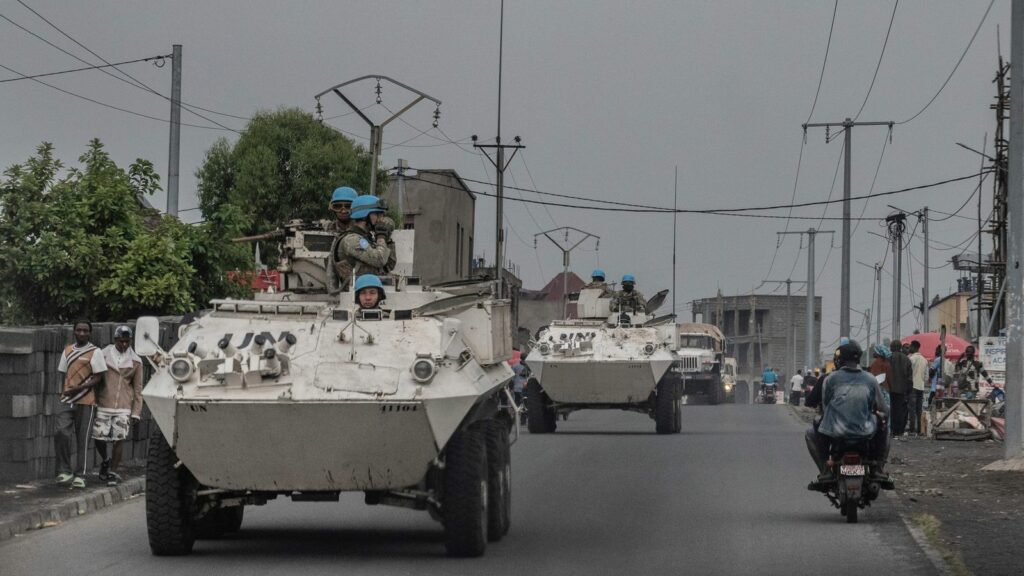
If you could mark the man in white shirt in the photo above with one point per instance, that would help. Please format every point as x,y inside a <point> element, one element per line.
<point>796,388</point>
<point>915,400</point>
<point>83,366</point>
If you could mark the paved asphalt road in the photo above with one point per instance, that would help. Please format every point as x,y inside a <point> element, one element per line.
<point>604,495</point>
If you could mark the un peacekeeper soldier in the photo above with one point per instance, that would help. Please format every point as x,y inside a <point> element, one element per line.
<point>341,206</point>
<point>629,299</point>
<point>597,281</point>
<point>357,251</point>
<point>369,292</point>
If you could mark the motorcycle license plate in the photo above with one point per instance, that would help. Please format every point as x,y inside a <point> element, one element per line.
<point>852,469</point>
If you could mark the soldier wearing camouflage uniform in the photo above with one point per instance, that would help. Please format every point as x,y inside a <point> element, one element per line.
<point>357,250</point>
<point>597,281</point>
<point>629,299</point>
<point>341,207</point>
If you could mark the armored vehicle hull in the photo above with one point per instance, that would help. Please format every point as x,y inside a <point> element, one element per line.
<point>298,396</point>
<point>619,362</point>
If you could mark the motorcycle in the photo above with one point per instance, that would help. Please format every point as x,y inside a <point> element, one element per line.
<point>768,393</point>
<point>855,483</point>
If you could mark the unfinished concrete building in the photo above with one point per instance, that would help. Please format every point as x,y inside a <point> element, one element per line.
<point>761,330</point>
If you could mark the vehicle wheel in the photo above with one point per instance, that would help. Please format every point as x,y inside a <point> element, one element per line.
<point>851,513</point>
<point>715,393</point>
<point>170,501</point>
<point>464,509</point>
<point>539,417</point>
<point>666,404</point>
<point>499,480</point>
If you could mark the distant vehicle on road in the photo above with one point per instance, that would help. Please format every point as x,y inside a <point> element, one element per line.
<point>699,368</point>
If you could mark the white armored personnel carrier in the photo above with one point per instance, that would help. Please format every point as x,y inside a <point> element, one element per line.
<point>605,360</point>
<point>303,395</point>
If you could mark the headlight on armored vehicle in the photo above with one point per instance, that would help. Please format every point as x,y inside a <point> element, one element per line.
<point>544,348</point>
<point>648,348</point>
<point>423,370</point>
<point>181,369</point>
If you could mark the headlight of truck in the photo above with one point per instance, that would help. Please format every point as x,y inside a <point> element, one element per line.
<point>423,370</point>
<point>544,348</point>
<point>648,348</point>
<point>181,369</point>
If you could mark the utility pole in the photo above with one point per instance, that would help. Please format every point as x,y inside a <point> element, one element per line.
<point>1015,232</point>
<point>877,268</point>
<point>675,216</point>
<point>811,355</point>
<point>791,330</point>
<point>847,125</point>
<point>566,249</point>
<point>897,225</point>
<point>922,219</point>
<point>174,154</point>
<point>377,130</point>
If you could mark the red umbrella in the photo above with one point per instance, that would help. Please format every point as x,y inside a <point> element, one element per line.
<point>516,358</point>
<point>955,345</point>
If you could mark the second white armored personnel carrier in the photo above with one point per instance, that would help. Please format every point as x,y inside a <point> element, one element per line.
<point>304,395</point>
<point>605,360</point>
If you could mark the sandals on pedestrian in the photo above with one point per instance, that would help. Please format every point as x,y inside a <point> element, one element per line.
<point>78,482</point>
<point>65,478</point>
<point>113,479</point>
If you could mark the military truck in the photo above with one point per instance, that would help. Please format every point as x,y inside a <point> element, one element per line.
<point>303,395</point>
<point>605,359</point>
<point>700,360</point>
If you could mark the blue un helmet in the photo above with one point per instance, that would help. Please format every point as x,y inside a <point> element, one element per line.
<point>365,205</point>
<point>344,194</point>
<point>597,274</point>
<point>369,281</point>
<point>628,278</point>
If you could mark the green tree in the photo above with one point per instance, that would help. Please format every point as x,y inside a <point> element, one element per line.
<point>284,166</point>
<point>83,245</point>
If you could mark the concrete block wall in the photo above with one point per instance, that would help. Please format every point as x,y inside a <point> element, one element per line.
<point>29,385</point>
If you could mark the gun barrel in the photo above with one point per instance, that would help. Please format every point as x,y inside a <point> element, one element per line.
<point>256,237</point>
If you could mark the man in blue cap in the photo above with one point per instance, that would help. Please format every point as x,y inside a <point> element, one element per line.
<point>597,281</point>
<point>629,299</point>
<point>341,207</point>
<point>358,251</point>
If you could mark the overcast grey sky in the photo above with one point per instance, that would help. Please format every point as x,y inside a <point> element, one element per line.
<point>608,97</point>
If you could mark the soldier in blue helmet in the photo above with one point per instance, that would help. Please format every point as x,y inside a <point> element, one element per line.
<point>597,281</point>
<point>369,292</point>
<point>341,207</point>
<point>629,299</point>
<point>358,250</point>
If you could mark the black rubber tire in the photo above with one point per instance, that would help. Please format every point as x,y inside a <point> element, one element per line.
<point>170,501</point>
<point>464,509</point>
<point>851,512</point>
<point>666,404</point>
<point>540,418</point>
<point>499,482</point>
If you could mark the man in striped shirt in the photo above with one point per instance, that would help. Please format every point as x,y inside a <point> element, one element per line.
<point>83,366</point>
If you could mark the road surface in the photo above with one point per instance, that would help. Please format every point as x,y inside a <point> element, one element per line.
<point>603,495</point>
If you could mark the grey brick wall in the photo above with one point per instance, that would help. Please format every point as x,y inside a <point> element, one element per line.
<point>29,384</point>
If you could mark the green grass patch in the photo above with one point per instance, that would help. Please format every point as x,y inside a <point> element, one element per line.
<point>932,528</point>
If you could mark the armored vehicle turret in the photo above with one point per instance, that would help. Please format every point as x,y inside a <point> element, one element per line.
<point>604,360</point>
<point>305,395</point>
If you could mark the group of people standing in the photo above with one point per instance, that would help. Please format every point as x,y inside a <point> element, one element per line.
<point>101,398</point>
<point>629,299</point>
<point>363,244</point>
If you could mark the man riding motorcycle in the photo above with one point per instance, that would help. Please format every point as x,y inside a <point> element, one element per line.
<point>853,408</point>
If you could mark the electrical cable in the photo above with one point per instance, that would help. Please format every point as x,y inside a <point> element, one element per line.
<point>879,65</point>
<point>45,74</point>
<point>140,83</point>
<point>958,62</point>
<point>828,46</point>
<point>111,106</point>
<point>522,158</point>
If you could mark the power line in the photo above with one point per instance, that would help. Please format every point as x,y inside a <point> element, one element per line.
<point>110,106</point>
<point>879,65</point>
<point>139,83</point>
<point>828,46</point>
<point>625,207</point>
<point>950,77</point>
<point>33,76</point>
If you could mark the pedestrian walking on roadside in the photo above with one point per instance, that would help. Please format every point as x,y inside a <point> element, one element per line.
<point>796,388</point>
<point>811,381</point>
<point>880,365</point>
<point>919,377</point>
<point>118,403</point>
<point>899,387</point>
<point>83,366</point>
<point>941,373</point>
